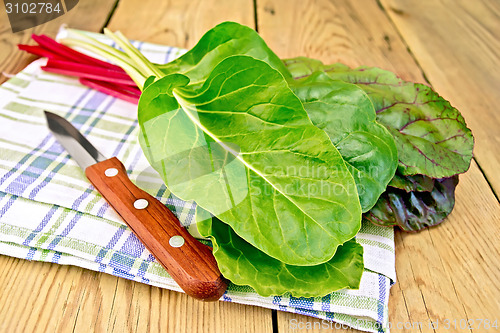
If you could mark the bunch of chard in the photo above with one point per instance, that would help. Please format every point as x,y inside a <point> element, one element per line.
<point>285,158</point>
<point>94,73</point>
<point>434,143</point>
<point>418,196</point>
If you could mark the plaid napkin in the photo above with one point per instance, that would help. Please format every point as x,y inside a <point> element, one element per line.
<point>50,212</point>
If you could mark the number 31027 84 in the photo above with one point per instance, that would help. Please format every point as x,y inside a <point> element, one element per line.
<point>32,8</point>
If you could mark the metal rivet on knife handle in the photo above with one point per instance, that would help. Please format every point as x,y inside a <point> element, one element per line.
<point>111,172</point>
<point>176,241</point>
<point>141,203</point>
<point>190,263</point>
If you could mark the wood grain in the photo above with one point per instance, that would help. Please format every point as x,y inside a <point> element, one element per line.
<point>457,44</point>
<point>351,32</point>
<point>45,297</point>
<point>176,22</point>
<point>448,272</point>
<point>87,15</point>
<point>191,264</point>
<point>451,271</point>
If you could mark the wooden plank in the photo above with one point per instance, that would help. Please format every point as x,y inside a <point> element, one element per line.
<point>45,297</point>
<point>177,23</point>
<point>451,271</point>
<point>448,272</point>
<point>87,15</point>
<point>457,44</point>
<point>351,32</point>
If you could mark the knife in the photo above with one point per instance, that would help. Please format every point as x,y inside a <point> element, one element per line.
<point>190,263</point>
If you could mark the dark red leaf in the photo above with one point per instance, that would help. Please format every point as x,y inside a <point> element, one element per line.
<point>414,211</point>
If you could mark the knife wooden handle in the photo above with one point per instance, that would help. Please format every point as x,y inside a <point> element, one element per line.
<point>190,263</point>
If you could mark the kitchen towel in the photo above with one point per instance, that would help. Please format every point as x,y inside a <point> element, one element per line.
<point>50,212</point>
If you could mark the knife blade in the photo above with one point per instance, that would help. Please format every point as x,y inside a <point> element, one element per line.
<point>190,263</point>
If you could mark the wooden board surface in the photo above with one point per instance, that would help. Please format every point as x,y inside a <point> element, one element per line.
<point>177,23</point>
<point>448,272</point>
<point>45,297</point>
<point>457,45</point>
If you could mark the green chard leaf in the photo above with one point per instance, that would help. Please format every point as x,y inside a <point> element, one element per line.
<point>242,146</point>
<point>431,136</point>
<point>244,264</point>
<point>419,183</point>
<point>225,39</point>
<point>414,211</point>
<point>347,115</point>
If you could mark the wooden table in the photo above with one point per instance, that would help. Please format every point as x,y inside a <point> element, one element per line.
<point>448,272</point>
